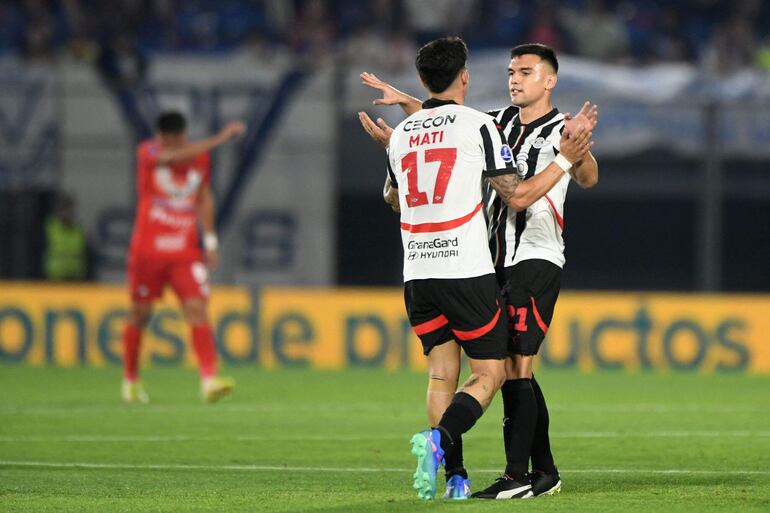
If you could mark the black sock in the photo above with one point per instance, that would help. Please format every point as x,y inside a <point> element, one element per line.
<point>453,460</point>
<point>509,407</point>
<point>459,417</point>
<point>522,430</point>
<point>542,458</point>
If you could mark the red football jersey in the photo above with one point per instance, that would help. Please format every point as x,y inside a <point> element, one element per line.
<point>166,217</point>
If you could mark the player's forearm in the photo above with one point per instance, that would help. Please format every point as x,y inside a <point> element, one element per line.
<point>190,150</point>
<point>505,185</point>
<point>586,172</point>
<point>409,104</point>
<point>529,191</point>
<point>206,212</point>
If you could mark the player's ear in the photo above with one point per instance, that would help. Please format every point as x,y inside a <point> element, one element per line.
<point>550,81</point>
<point>465,77</point>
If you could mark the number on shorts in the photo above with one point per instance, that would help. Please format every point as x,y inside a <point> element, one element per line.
<point>521,324</point>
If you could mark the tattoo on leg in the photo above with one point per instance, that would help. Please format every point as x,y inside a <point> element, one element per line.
<point>439,378</point>
<point>471,381</point>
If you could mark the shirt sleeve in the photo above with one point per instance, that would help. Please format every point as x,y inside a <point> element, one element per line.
<point>147,154</point>
<point>498,157</point>
<point>392,175</point>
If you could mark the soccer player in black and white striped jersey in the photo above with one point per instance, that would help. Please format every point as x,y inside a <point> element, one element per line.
<point>527,249</point>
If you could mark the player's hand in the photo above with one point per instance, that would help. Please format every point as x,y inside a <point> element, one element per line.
<point>379,131</point>
<point>233,129</point>
<point>588,117</point>
<point>574,146</point>
<point>212,259</point>
<point>390,95</point>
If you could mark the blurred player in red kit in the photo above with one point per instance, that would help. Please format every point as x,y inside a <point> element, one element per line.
<point>174,200</point>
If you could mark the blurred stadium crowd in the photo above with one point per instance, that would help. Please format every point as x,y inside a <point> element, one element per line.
<point>666,129</point>
<point>719,36</point>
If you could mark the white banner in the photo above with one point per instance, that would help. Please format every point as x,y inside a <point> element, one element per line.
<point>641,108</point>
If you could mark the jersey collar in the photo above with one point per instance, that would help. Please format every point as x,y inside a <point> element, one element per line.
<point>539,121</point>
<point>432,103</point>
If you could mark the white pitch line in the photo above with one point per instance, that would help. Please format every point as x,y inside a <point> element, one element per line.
<point>374,437</point>
<point>359,407</point>
<point>286,468</point>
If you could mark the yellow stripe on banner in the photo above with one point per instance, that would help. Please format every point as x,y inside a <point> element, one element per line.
<point>630,331</point>
<point>67,325</point>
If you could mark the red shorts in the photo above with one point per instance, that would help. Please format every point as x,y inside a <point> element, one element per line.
<point>147,277</point>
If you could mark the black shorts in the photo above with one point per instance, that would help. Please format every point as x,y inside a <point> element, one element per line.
<point>530,291</point>
<point>467,310</point>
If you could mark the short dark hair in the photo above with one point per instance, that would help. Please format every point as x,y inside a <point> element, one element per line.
<point>171,122</point>
<point>545,52</point>
<point>440,61</point>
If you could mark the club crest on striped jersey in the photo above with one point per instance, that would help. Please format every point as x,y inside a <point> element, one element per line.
<point>539,142</point>
<point>521,164</point>
<point>505,153</point>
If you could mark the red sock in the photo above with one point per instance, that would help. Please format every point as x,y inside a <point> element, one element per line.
<point>205,349</point>
<point>132,339</point>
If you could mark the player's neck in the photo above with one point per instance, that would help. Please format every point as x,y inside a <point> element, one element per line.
<point>458,99</point>
<point>534,111</point>
<point>453,93</point>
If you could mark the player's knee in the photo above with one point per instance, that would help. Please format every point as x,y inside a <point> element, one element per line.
<point>522,367</point>
<point>195,312</point>
<point>510,371</point>
<point>449,374</point>
<point>497,374</point>
<point>441,383</point>
<point>139,314</point>
<point>523,374</point>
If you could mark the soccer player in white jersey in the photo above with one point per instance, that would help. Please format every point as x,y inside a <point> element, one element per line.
<point>527,248</point>
<point>437,158</point>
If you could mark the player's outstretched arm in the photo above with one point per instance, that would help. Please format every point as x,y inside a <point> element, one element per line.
<point>206,211</point>
<point>520,196</point>
<point>379,131</point>
<point>391,95</point>
<point>190,150</point>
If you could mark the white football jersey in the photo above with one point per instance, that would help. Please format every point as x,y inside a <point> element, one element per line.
<point>535,233</point>
<point>437,160</point>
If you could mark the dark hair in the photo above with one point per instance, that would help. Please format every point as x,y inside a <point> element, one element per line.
<point>543,51</point>
<point>440,61</point>
<point>171,122</point>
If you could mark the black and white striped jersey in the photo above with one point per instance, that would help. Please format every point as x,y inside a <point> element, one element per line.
<point>535,233</point>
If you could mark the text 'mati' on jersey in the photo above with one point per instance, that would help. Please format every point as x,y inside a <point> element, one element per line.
<point>437,160</point>
<point>535,233</point>
<point>166,216</point>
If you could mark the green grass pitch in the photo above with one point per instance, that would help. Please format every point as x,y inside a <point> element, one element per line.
<point>294,440</point>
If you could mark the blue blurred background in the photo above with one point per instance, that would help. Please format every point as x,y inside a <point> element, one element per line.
<point>682,87</point>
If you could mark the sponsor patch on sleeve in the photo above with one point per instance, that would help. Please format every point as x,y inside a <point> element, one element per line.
<point>505,153</point>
